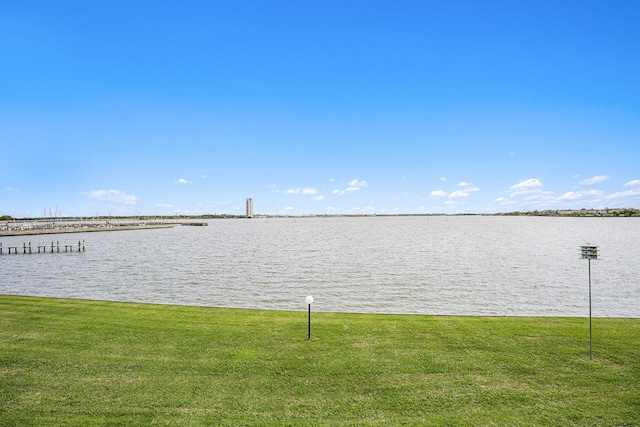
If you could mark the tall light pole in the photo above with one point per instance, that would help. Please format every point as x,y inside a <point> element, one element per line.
<point>309,301</point>
<point>589,252</point>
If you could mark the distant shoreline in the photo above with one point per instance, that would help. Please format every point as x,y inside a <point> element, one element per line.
<point>20,226</point>
<point>186,219</point>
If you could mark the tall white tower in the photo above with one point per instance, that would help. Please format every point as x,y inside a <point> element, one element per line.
<point>249,207</point>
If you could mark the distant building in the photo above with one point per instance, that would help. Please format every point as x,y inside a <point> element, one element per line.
<point>249,207</point>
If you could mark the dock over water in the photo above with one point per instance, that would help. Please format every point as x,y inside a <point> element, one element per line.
<point>27,248</point>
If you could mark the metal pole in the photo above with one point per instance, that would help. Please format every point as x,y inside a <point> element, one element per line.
<point>590,329</point>
<point>309,328</point>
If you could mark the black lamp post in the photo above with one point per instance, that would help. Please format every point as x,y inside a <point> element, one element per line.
<point>589,253</point>
<point>309,301</point>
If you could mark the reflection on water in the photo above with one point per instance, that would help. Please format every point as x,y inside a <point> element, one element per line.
<point>467,265</point>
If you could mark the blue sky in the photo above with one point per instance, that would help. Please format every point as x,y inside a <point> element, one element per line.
<point>318,107</point>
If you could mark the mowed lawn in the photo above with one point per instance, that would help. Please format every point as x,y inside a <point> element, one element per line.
<point>83,363</point>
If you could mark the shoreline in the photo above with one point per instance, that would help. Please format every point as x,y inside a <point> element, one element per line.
<point>9,233</point>
<point>303,310</point>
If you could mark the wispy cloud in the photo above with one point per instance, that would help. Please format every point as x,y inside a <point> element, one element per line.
<point>575,195</point>
<point>527,187</point>
<point>183,181</point>
<point>465,190</point>
<point>353,185</point>
<point>308,190</point>
<point>634,192</point>
<point>305,191</point>
<point>526,184</point>
<point>111,196</point>
<point>528,191</point>
<point>594,180</point>
<point>458,194</point>
<point>10,189</point>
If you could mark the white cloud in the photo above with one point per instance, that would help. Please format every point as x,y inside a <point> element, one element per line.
<point>183,181</point>
<point>289,209</point>
<point>632,183</point>
<point>318,198</point>
<point>308,190</point>
<point>529,188</point>
<point>465,191</point>
<point>353,185</point>
<point>9,189</point>
<point>459,193</point>
<point>356,183</point>
<point>634,192</point>
<point>571,195</point>
<point>527,184</point>
<point>112,196</point>
<point>443,179</point>
<point>575,195</point>
<point>594,180</point>
<point>305,191</point>
<point>165,205</point>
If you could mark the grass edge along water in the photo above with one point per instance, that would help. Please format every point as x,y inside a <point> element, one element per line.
<point>75,362</point>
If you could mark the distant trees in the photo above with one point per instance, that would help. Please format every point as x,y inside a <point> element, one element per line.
<point>627,212</point>
<point>578,212</point>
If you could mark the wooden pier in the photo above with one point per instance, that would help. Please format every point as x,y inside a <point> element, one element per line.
<point>54,248</point>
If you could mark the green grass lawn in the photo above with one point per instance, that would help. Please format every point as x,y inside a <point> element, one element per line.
<point>68,362</point>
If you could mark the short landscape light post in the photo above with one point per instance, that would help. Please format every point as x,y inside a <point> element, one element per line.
<point>589,253</point>
<point>309,301</point>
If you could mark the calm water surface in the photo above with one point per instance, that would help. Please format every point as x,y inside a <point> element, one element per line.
<point>432,265</point>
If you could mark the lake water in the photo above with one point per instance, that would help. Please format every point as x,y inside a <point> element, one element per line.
<point>454,265</point>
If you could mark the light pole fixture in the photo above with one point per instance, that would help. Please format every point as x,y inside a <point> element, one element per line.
<point>589,252</point>
<point>309,301</point>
